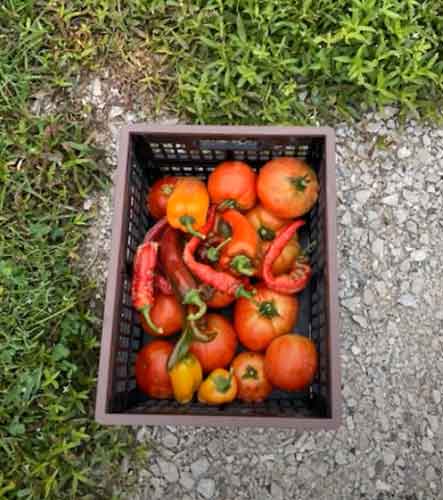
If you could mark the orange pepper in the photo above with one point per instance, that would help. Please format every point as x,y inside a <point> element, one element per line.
<point>186,377</point>
<point>241,249</point>
<point>188,205</point>
<point>219,387</point>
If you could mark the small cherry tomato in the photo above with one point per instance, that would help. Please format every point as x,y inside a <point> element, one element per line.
<point>233,185</point>
<point>291,362</point>
<point>167,313</point>
<point>151,373</point>
<point>217,353</point>
<point>253,385</point>
<point>287,187</point>
<point>158,196</point>
<point>270,314</point>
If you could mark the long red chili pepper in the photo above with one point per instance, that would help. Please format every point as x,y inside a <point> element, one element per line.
<point>156,230</point>
<point>298,278</point>
<point>184,284</point>
<point>220,280</point>
<point>142,289</point>
<point>162,284</point>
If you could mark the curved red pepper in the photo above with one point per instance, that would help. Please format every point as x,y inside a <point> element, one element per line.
<point>156,230</point>
<point>184,284</point>
<point>299,277</point>
<point>220,280</point>
<point>142,290</point>
<point>162,284</point>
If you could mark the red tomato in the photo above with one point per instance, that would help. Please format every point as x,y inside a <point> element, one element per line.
<point>253,385</point>
<point>287,187</point>
<point>291,362</point>
<point>271,314</point>
<point>233,184</point>
<point>166,313</point>
<point>151,373</point>
<point>217,353</point>
<point>159,194</point>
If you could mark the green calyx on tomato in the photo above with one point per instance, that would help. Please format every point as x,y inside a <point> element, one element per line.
<point>243,265</point>
<point>229,203</point>
<point>301,182</point>
<point>250,372</point>
<point>268,309</point>
<point>167,189</point>
<point>266,234</point>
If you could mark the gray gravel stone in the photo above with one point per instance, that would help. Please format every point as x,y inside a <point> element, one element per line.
<point>390,249</point>
<point>403,153</point>
<point>206,488</point>
<point>199,467</point>
<point>169,470</point>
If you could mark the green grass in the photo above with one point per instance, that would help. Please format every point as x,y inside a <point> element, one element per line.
<point>50,446</point>
<point>247,61</point>
<point>301,61</point>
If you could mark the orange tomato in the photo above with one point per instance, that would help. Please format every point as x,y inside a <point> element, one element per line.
<point>287,187</point>
<point>220,300</point>
<point>167,313</point>
<point>271,314</point>
<point>291,362</point>
<point>232,185</point>
<point>217,353</point>
<point>253,385</point>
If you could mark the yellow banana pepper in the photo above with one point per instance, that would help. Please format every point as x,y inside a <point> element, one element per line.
<point>186,377</point>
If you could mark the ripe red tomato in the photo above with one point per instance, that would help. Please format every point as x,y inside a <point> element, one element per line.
<point>159,194</point>
<point>291,362</point>
<point>233,184</point>
<point>217,353</point>
<point>287,187</point>
<point>151,373</point>
<point>166,313</point>
<point>270,315</point>
<point>253,385</point>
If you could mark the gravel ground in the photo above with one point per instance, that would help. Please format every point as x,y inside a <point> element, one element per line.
<point>390,247</point>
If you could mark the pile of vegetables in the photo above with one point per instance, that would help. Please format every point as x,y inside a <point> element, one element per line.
<point>230,243</point>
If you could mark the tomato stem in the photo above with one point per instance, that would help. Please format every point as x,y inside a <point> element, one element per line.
<point>228,203</point>
<point>266,234</point>
<point>250,372</point>
<point>301,182</point>
<point>241,292</point>
<point>268,309</point>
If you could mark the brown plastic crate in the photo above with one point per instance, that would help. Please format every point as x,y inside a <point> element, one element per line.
<point>147,152</point>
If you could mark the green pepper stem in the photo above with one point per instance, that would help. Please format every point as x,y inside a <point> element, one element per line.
<point>200,336</point>
<point>181,348</point>
<point>243,265</point>
<point>187,221</point>
<point>145,311</point>
<point>192,297</point>
<point>213,253</point>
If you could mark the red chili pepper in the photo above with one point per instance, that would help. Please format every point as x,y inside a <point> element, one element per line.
<point>156,230</point>
<point>298,278</point>
<point>241,248</point>
<point>220,280</point>
<point>142,290</point>
<point>184,284</point>
<point>162,284</point>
